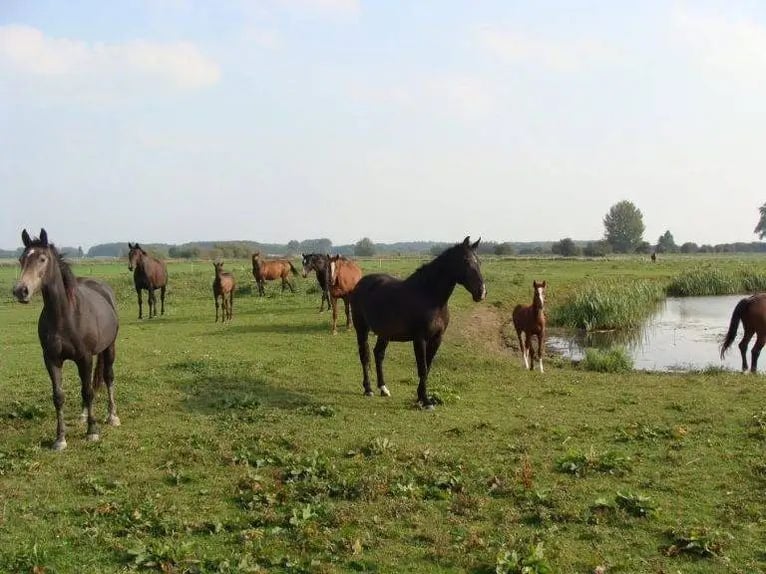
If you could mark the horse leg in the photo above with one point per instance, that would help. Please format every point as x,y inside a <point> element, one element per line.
<point>362,334</point>
<point>380,353</point>
<point>108,358</point>
<point>347,308</point>
<point>216,308</point>
<point>419,346</point>
<point>85,369</point>
<point>290,285</point>
<point>162,299</point>
<point>261,289</point>
<point>523,349</point>
<point>231,304</point>
<point>334,316</point>
<point>540,339</point>
<point>743,348</point>
<point>140,304</point>
<point>759,342</point>
<point>431,347</point>
<point>152,303</point>
<point>54,371</point>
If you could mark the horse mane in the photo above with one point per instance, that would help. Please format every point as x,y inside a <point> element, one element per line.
<point>426,273</point>
<point>70,281</point>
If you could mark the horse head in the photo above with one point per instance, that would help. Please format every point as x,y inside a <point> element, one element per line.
<point>467,269</point>
<point>134,255</point>
<point>539,296</point>
<point>37,264</point>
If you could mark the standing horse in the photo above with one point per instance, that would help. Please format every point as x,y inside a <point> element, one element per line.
<point>268,269</point>
<point>344,276</point>
<point>223,287</point>
<point>320,264</point>
<point>78,320</point>
<point>149,273</point>
<point>414,309</point>
<point>752,312</point>
<point>530,320</point>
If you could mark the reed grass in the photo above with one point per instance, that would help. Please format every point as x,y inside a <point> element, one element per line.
<point>710,281</point>
<point>613,360</point>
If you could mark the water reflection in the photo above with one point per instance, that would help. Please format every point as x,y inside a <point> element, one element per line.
<point>684,334</point>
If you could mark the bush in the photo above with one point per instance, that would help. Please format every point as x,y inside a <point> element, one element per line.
<point>614,360</point>
<point>566,248</point>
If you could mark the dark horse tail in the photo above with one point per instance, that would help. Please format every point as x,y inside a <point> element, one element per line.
<point>293,269</point>
<point>736,316</point>
<point>98,372</point>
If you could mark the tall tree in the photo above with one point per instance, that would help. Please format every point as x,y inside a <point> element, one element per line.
<point>760,229</point>
<point>566,248</point>
<point>624,227</point>
<point>666,243</point>
<point>364,247</point>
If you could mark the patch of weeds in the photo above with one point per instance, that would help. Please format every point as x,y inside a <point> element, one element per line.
<point>579,463</point>
<point>697,541</point>
<point>318,410</point>
<point>643,432</point>
<point>12,460</point>
<point>160,556</point>
<point>21,411</point>
<point>33,559</point>
<point>442,485</point>
<point>99,487</point>
<point>442,396</point>
<point>635,504</point>
<point>614,360</point>
<point>241,402</point>
<point>524,560</point>
<point>408,490</point>
<point>377,447</point>
<point>759,425</point>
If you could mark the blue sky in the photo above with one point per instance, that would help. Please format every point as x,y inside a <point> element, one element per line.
<point>271,120</point>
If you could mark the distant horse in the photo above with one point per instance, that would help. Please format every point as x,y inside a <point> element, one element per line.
<point>344,276</point>
<point>752,312</point>
<point>78,320</point>
<point>530,320</point>
<point>149,273</point>
<point>320,264</point>
<point>223,288</point>
<point>414,309</point>
<point>654,257</point>
<point>268,269</point>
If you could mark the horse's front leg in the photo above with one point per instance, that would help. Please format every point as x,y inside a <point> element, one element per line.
<point>334,316</point>
<point>540,343</point>
<point>216,307</point>
<point>140,303</point>
<point>419,346</point>
<point>85,368</point>
<point>162,299</point>
<point>152,303</point>
<point>362,334</point>
<point>523,350</point>
<point>380,353</point>
<point>347,308</point>
<point>54,371</point>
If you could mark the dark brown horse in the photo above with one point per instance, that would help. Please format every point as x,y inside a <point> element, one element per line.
<point>344,276</point>
<point>752,312</point>
<point>530,320</point>
<point>268,269</point>
<point>149,273</point>
<point>223,288</point>
<point>78,320</point>
<point>320,264</point>
<point>414,309</point>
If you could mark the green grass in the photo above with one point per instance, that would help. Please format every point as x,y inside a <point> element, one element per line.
<point>716,281</point>
<point>613,360</point>
<point>250,446</point>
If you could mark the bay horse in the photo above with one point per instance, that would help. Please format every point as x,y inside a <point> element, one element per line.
<point>78,320</point>
<point>149,273</point>
<point>268,269</point>
<point>223,288</point>
<point>752,312</point>
<point>414,309</point>
<point>320,264</point>
<point>530,320</point>
<point>344,277</point>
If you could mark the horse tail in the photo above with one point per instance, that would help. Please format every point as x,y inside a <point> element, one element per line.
<point>293,269</point>
<point>98,372</point>
<point>736,316</point>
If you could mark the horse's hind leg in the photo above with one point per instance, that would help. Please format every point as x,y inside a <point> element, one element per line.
<point>523,349</point>
<point>162,299</point>
<point>380,353</point>
<point>419,346</point>
<point>362,334</point>
<point>231,304</point>
<point>152,303</point>
<point>334,316</point>
<point>216,307</point>
<point>85,369</point>
<point>759,342</point>
<point>431,347</point>
<point>347,308</point>
<point>108,357</point>
<point>743,347</point>
<point>54,371</point>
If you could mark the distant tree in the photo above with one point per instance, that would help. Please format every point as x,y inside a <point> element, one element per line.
<point>566,247</point>
<point>760,229</point>
<point>184,252</point>
<point>707,248</point>
<point>644,247</point>
<point>666,243</point>
<point>322,245</point>
<point>597,249</point>
<point>437,248</point>
<point>80,252</point>
<point>505,248</point>
<point>293,247</point>
<point>364,248</point>
<point>624,227</point>
<point>689,247</point>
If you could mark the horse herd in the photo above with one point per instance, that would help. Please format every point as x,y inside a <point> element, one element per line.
<point>79,316</point>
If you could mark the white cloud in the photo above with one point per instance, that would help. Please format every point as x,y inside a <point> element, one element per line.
<point>515,48</point>
<point>27,50</point>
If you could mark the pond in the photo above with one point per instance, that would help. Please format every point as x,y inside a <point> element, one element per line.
<point>684,334</point>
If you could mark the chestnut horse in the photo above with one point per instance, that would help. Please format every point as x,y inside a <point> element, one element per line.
<point>344,275</point>
<point>752,312</point>
<point>78,320</point>
<point>223,287</point>
<point>530,320</point>
<point>414,309</point>
<point>268,269</point>
<point>149,273</point>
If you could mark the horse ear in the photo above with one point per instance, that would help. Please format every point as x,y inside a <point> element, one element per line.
<point>44,237</point>
<point>534,284</point>
<point>467,241</point>
<point>544,284</point>
<point>130,245</point>
<point>25,238</point>
<point>476,245</point>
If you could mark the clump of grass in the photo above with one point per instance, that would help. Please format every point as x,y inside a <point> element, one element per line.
<point>529,560</point>
<point>614,360</point>
<point>635,504</point>
<point>579,463</point>
<point>600,306</point>
<point>716,282</point>
<point>697,541</point>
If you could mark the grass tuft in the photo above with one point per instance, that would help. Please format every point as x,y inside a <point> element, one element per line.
<point>704,282</point>
<point>614,360</point>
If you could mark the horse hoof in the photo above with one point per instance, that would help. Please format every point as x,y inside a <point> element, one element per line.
<point>92,437</point>
<point>426,406</point>
<point>113,420</point>
<point>369,394</point>
<point>384,392</point>
<point>59,445</point>
<point>84,417</point>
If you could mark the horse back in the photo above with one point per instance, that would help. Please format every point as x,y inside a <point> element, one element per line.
<point>347,276</point>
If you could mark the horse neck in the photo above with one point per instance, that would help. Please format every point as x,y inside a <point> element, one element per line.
<point>537,307</point>
<point>433,280</point>
<point>56,301</point>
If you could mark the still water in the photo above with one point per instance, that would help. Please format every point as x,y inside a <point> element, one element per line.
<point>684,334</point>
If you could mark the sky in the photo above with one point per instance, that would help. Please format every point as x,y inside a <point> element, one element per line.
<point>271,120</point>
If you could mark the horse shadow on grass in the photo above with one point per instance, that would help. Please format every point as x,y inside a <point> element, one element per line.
<point>272,328</point>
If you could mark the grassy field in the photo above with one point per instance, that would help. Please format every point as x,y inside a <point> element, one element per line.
<point>249,447</point>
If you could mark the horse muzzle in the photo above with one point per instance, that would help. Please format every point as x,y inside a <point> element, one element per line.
<point>481,295</point>
<point>21,292</point>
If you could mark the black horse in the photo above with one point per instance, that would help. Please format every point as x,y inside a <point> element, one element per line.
<point>78,320</point>
<point>414,309</point>
<point>320,264</point>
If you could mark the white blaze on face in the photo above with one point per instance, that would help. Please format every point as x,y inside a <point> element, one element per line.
<point>541,294</point>
<point>332,272</point>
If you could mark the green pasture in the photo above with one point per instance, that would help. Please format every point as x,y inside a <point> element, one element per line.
<point>249,446</point>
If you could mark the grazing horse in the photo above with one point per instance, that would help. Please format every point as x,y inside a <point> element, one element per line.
<point>752,312</point>
<point>223,287</point>
<point>654,257</point>
<point>78,320</point>
<point>268,269</point>
<point>414,309</point>
<point>530,320</point>
<point>344,276</point>
<point>149,273</point>
<point>320,264</point>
